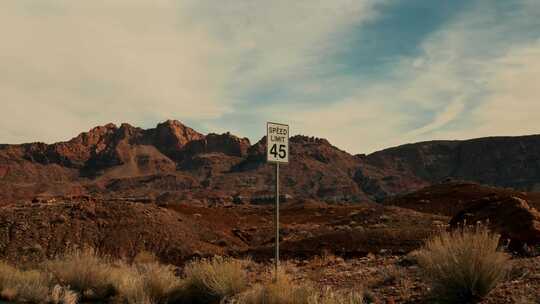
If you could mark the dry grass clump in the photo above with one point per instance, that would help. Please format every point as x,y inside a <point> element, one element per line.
<point>130,285</point>
<point>22,286</point>
<point>463,265</point>
<point>85,272</point>
<point>283,290</point>
<point>63,295</point>
<point>82,275</point>
<point>145,257</point>
<point>146,283</point>
<point>89,276</point>
<point>390,275</point>
<point>211,280</point>
<point>332,297</point>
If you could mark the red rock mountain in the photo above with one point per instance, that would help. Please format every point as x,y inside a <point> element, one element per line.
<point>512,162</point>
<point>174,163</point>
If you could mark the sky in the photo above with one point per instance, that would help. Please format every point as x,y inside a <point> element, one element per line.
<point>364,74</point>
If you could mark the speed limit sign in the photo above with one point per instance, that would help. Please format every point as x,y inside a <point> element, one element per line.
<point>277,142</point>
<point>277,152</point>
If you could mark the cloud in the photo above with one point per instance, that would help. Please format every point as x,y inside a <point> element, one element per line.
<point>473,77</point>
<point>69,65</point>
<point>513,104</point>
<point>447,115</point>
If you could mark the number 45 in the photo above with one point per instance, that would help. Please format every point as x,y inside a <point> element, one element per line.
<point>282,153</point>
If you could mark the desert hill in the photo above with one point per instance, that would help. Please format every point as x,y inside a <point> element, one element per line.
<point>172,162</point>
<point>508,162</point>
<point>181,194</point>
<point>449,198</point>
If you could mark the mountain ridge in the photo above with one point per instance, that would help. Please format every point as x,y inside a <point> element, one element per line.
<point>188,165</point>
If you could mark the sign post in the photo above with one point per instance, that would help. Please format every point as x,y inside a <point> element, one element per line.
<point>277,151</point>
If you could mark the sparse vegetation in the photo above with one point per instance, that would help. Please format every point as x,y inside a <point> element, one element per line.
<point>211,280</point>
<point>22,286</point>
<point>63,295</point>
<point>283,290</point>
<point>85,272</point>
<point>463,265</point>
<point>338,297</point>
<point>279,291</point>
<point>146,283</point>
<point>390,275</point>
<point>84,275</point>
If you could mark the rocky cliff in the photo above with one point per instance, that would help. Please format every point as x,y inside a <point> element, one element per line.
<point>174,163</point>
<point>512,162</point>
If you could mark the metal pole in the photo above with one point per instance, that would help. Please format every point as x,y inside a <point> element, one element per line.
<point>276,220</point>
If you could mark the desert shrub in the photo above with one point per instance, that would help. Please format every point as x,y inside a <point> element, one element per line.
<point>145,257</point>
<point>337,297</point>
<point>463,265</point>
<point>283,290</point>
<point>211,280</point>
<point>23,286</point>
<point>129,285</point>
<point>159,281</point>
<point>85,272</point>
<point>278,289</point>
<point>63,295</point>
<point>390,275</point>
<point>145,283</point>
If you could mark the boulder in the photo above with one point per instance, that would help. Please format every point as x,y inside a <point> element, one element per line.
<point>511,217</point>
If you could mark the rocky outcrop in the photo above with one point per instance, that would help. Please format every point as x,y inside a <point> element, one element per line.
<point>450,197</point>
<point>230,165</point>
<point>34,231</point>
<point>511,217</point>
<point>497,161</point>
<point>226,144</point>
<point>171,136</point>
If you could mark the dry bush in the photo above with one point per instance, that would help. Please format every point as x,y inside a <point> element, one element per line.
<point>282,290</point>
<point>145,283</point>
<point>145,257</point>
<point>463,265</point>
<point>129,285</point>
<point>159,281</point>
<point>390,275</point>
<point>211,280</point>
<point>332,297</point>
<point>63,295</point>
<point>23,286</point>
<point>85,272</point>
<point>94,277</point>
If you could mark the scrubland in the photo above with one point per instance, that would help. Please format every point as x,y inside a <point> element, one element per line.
<point>462,266</point>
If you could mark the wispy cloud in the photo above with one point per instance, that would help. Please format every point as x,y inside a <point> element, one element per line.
<point>365,74</point>
<point>69,65</point>
<point>66,66</point>
<point>472,77</point>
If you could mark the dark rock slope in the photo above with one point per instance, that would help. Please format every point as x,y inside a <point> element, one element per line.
<point>512,162</point>
<point>174,163</point>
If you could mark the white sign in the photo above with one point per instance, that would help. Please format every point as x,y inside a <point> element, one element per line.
<point>277,142</point>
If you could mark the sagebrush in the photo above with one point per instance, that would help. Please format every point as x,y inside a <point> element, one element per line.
<point>211,280</point>
<point>463,265</point>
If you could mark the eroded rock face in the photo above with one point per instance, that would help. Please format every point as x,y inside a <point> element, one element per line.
<point>118,228</point>
<point>224,164</point>
<point>511,217</point>
<point>226,144</point>
<point>450,197</point>
<point>512,162</point>
<point>171,136</point>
